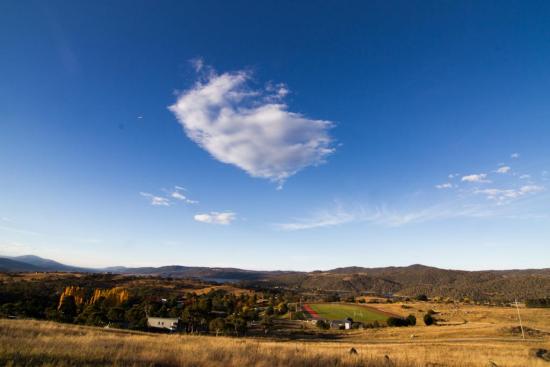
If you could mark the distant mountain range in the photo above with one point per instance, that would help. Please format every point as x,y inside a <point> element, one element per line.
<point>35,263</point>
<point>410,280</point>
<point>30,263</point>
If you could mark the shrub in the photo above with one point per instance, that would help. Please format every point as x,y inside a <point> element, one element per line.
<point>421,297</point>
<point>396,321</point>
<point>323,325</point>
<point>428,319</point>
<point>541,302</point>
<point>411,319</point>
<point>372,325</point>
<point>399,321</point>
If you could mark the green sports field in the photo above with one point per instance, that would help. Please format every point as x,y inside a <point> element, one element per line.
<point>338,311</point>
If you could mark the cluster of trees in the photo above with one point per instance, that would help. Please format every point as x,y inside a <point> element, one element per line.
<point>221,312</point>
<point>399,321</point>
<point>410,320</point>
<point>217,311</point>
<point>538,302</point>
<point>27,299</point>
<point>129,314</point>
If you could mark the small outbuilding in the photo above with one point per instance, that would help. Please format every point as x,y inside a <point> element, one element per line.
<point>345,324</point>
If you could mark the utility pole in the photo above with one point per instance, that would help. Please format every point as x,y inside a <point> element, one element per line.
<point>519,317</point>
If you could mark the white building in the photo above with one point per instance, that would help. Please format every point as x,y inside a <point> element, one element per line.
<point>163,323</point>
<point>341,324</point>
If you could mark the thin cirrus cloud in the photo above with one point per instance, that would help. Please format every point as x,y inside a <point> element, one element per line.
<point>176,194</point>
<point>328,218</point>
<point>468,197</point>
<point>464,207</point>
<point>251,129</point>
<point>224,218</point>
<point>382,216</point>
<point>506,195</point>
<point>156,200</point>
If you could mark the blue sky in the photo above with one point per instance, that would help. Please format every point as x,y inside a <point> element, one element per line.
<point>276,135</point>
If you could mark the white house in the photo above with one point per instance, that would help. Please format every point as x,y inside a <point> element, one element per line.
<point>163,323</point>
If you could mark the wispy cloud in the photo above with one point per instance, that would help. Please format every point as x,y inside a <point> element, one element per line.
<point>514,155</point>
<point>216,217</point>
<point>251,129</point>
<point>481,177</point>
<point>197,64</point>
<point>466,200</point>
<point>446,185</point>
<point>322,219</point>
<point>507,195</point>
<point>156,200</point>
<point>383,216</point>
<point>503,169</point>
<point>178,195</point>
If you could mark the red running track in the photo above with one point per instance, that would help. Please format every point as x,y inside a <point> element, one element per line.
<point>310,311</point>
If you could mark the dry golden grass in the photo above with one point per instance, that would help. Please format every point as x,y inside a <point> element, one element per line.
<point>224,287</point>
<point>37,276</point>
<point>29,343</point>
<point>463,321</point>
<point>40,343</point>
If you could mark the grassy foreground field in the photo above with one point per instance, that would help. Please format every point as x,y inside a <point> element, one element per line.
<point>339,311</point>
<point>41,343</point>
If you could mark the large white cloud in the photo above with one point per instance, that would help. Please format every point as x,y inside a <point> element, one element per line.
<point>251,129</point>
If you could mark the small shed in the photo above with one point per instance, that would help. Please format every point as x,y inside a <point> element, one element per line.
<point>345,324</point>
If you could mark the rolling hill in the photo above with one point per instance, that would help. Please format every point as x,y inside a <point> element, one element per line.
<point>47,264</point>
<point>407,281</point>
<point>420,279</point>
<point>9,265</point>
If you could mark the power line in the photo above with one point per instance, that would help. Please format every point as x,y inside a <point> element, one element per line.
<point>519,317</point>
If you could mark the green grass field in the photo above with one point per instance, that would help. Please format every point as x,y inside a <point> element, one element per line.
<point>336,311</point>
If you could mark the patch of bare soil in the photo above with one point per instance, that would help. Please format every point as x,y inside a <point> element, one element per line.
<point>516,330</point>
